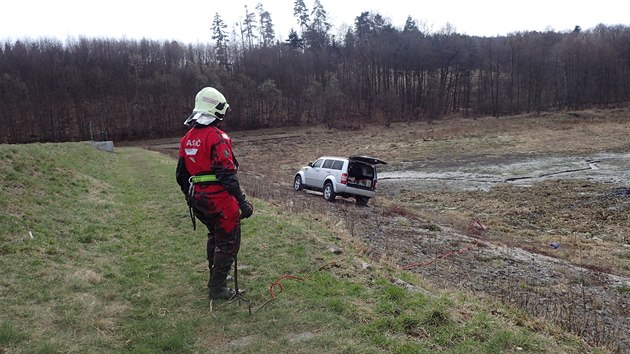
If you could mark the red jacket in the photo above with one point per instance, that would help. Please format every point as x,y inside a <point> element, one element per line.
<point>208,150</point>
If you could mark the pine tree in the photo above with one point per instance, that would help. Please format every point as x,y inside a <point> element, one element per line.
<point>317,36</point>
<point>410,26</point>
<point>248,30</point>
<point>267,33</point>
<point>294,41</point>
<point>221,39</point>
<point>301,14</point>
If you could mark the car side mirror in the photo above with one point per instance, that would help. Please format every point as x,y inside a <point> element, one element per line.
<point>310,164</point>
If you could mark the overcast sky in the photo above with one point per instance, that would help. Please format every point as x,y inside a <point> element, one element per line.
<point>189,21</point>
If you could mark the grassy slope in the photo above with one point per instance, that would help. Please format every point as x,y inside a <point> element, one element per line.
<point>97,255</point>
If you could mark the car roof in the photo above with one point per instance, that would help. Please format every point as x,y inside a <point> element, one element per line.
<point>367,159</point>
<point>333,157</point>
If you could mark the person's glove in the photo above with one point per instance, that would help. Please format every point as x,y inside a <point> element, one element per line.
<point>247,209</point>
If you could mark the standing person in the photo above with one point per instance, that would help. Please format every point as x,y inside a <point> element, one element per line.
<point>206,173</point>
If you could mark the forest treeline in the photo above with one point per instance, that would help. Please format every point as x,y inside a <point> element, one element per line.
<point>123,89</point>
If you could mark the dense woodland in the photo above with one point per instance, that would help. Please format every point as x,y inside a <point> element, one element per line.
<point>122,89</point>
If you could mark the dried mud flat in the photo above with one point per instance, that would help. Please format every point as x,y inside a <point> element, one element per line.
<point>531,210</point>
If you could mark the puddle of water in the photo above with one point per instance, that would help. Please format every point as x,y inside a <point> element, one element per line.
<point>605,168</point>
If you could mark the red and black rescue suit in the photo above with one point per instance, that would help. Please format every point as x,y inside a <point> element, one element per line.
<point>206,150</point>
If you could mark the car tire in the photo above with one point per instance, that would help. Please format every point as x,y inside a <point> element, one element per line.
<point>297,183</point>
<point>329,192</point>
<point>361,200</point>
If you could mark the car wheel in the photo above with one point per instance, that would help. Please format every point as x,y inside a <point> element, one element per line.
<point>329,192</point>
<point>362,201</point>
<point>297,183</point>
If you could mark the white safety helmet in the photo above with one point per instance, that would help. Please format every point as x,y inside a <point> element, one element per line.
<point>210,104</point>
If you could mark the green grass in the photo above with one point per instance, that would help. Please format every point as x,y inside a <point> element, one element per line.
<point>98,255</point>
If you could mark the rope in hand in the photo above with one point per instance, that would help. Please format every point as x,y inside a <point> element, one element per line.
<point>445,255</point>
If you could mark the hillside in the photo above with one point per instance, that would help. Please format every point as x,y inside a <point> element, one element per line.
<point>98,255</point>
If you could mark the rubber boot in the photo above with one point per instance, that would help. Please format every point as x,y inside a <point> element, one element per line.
<point>218,280</point>
<point>210,264</point>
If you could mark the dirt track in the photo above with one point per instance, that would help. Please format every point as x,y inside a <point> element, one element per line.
<point>530,210</point>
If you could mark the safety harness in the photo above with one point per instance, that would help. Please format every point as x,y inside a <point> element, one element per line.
<point>203,178</point>
<point>198,179</point>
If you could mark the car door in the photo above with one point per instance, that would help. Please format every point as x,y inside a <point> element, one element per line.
<point>368,160</point>
<point>364,166</point>
<point>311,174</point>
<point>324,172</point>
<point>336,170</point>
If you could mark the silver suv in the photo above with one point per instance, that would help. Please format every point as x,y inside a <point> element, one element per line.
<point>347,177</point>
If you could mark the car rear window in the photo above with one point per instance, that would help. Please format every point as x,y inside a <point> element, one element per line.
<point>328,163</point>
<point>337,165</point>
